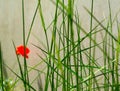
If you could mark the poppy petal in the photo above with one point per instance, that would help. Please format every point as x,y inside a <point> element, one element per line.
<point>20,51</point>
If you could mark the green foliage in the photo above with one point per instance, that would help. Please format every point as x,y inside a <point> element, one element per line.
<point>71,65</point>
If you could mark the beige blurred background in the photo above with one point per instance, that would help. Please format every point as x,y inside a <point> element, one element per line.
<point>11,23</point>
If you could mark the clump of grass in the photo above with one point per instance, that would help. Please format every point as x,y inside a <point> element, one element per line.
<point>71,65</point>
<point>66,53</point>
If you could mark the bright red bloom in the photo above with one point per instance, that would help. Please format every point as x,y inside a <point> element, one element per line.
<point>21,50</point>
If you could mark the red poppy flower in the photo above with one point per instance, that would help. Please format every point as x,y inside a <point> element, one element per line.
<point>20,51</point>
